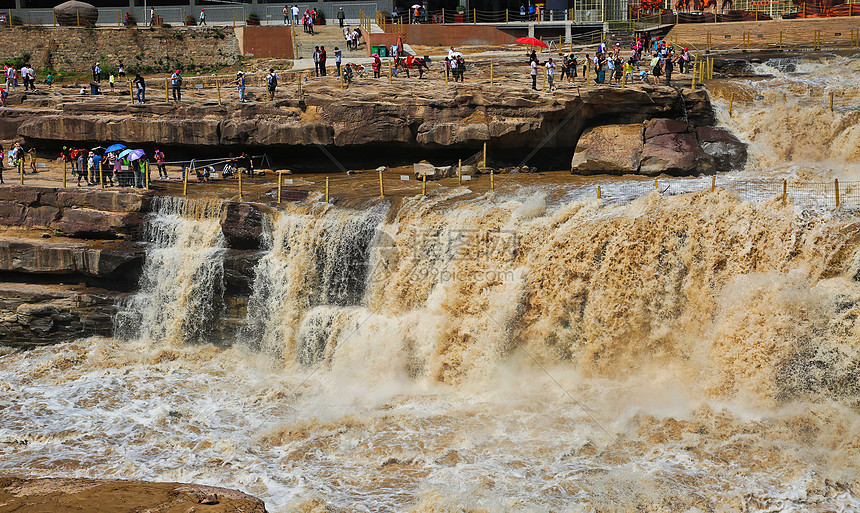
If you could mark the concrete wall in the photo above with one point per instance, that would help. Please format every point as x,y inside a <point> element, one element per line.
<point>273,42</point>
<point>158,49</point>
<point>455,35</point>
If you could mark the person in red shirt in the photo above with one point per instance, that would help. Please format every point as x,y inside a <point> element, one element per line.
<point>322,60</point>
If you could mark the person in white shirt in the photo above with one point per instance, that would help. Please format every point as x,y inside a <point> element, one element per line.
<point>550,73</point>
<point>337,59</point>
<point>296,14</point>
<point>534,67</point>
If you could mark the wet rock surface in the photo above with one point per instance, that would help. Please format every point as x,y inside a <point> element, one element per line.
<point>115,496</point>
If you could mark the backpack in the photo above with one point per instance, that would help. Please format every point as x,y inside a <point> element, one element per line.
<point>358,31</point>
<point>273,80</point>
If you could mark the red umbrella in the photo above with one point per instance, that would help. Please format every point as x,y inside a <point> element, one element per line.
<point>531,41</point>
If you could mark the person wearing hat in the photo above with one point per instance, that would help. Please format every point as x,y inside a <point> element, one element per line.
<point>341,16</point>
<point>240,86</point>
<point>176,82</point>
<point>684,61</point>
<point>202,17</point>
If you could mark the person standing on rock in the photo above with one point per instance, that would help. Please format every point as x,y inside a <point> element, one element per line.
<point>176,82</point>
<point>97,72</point>
<point>111,81</point>
<point>341,16</point>
<point>316,57</point>
<point>159,163</point>
<point>668,64</point>
<point>240,85</point>
<point>2,155</point>
<point>272,83</point>
<point>534,68</point>
<point>141,88</point>
<point>550,74</point>
<point>323,57</point>
<point>338,57</point>
<point>82,165</point>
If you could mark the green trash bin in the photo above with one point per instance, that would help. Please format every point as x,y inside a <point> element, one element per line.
<point>374,49</point>
<point>383,50</point>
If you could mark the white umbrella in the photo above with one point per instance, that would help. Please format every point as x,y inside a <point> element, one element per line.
<point>416,6</point>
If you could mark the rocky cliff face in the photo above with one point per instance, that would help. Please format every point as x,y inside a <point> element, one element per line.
<point>66,256</point>
<point>467,116</point>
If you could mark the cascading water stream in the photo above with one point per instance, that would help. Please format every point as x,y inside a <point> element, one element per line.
<point>181,284</point>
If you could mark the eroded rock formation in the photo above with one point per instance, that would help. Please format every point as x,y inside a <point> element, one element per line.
<point>659,146</point>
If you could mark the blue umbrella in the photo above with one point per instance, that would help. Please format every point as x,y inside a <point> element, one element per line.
<point>136,154</point>
<point>115,147</point>
<point>124,153</point>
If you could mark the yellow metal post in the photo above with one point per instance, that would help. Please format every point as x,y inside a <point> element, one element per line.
<point>543,87</point>
<point>130,92</point>
<point>460,172</point>
<point>381,189</point>
<point>656,185</point>
<point>65,170</point>
<point>731,102</point>
<point>713,182</point>
<point>77,14</point>
<point>598,192</point>
<point>389,72</point>
<point>474,16</point>
<point>831,101</point>
<point>491,73</point>
<point>326,189</point>
<point>240,185</point>
<point>784,191</point>
<point>695,72</point>
<point>424,185</point>
<point>492,182</point>
<point>484,157</point>
<point>166,94</point>
<point>341,79</point>
<point>280,184</point>
<point>836,186</point>
<point>21,169</point>
<point>506,17</point>
<point>101,176</point>
<point>218,88</point>
<point>146,174</point>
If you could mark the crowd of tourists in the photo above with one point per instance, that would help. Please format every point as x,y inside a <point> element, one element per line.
<point>17,159</point>
<point>610,66</point>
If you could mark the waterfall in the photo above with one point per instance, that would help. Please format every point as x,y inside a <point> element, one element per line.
<point>181,287</point>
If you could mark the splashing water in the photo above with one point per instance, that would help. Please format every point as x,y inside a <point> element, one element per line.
<point>787,122</point>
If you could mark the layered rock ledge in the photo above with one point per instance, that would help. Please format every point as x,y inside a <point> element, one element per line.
<point>464,116</point>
